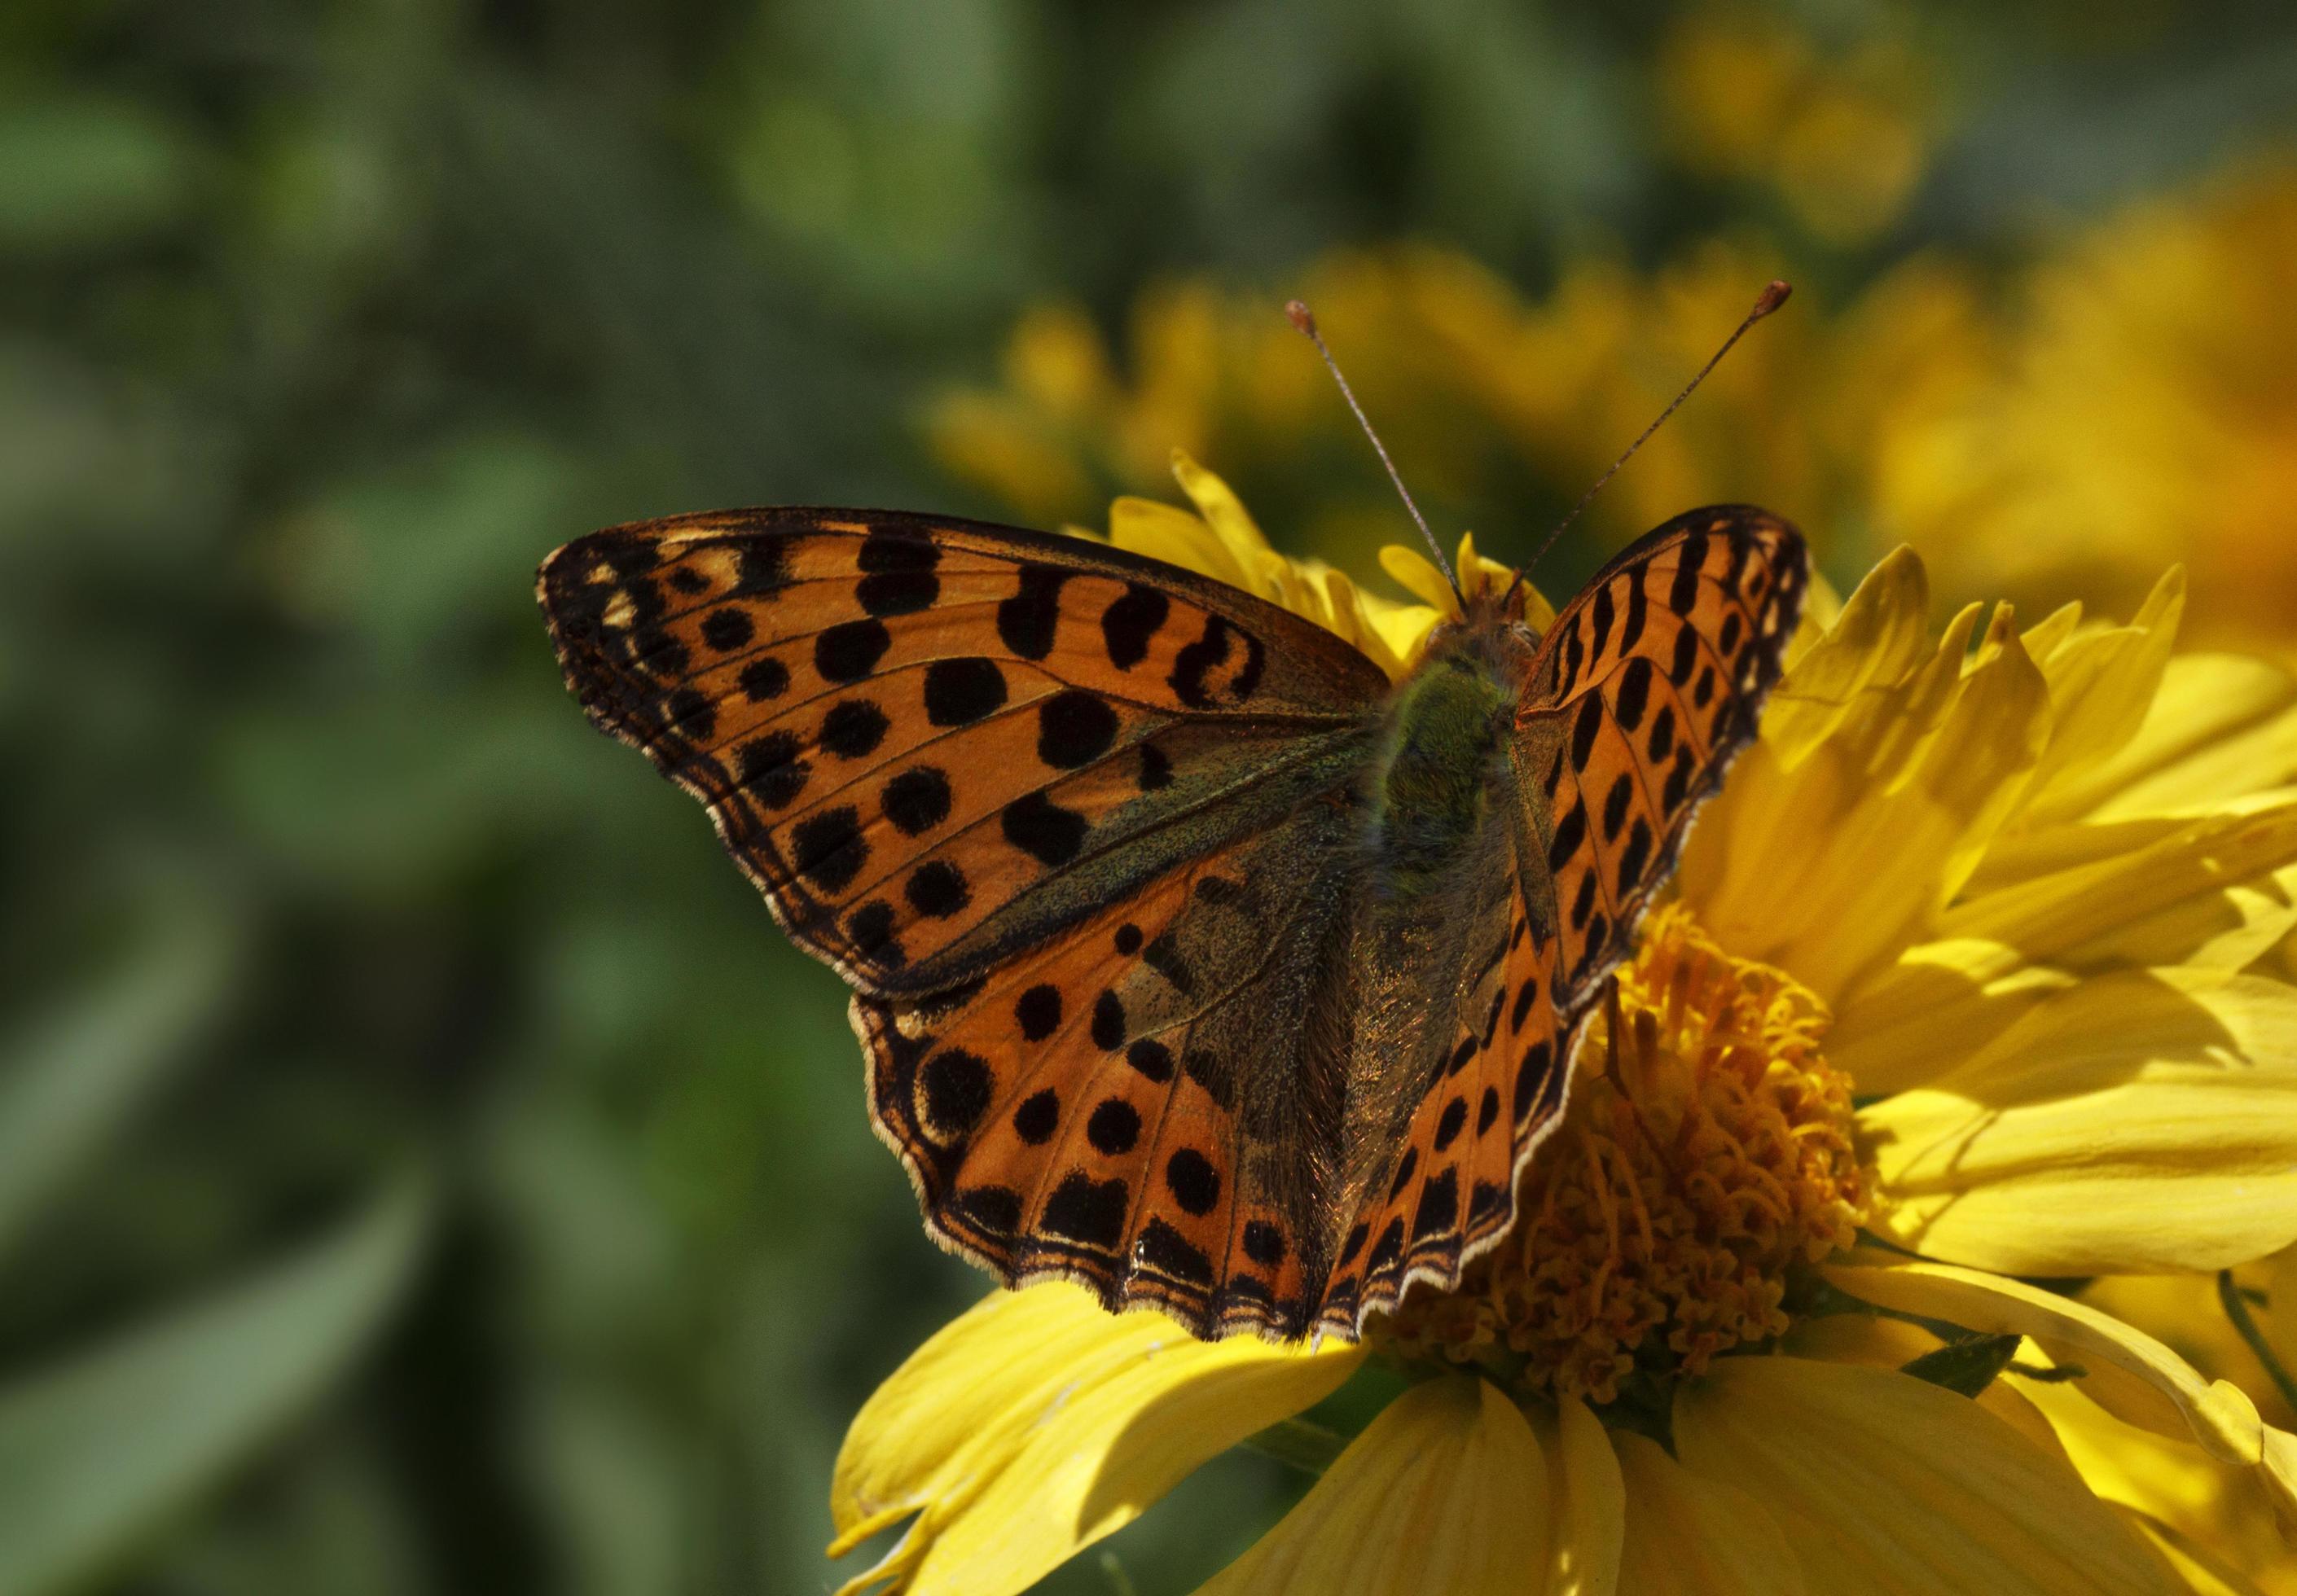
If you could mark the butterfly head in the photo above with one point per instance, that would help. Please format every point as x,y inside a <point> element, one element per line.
<point>1498,617</point>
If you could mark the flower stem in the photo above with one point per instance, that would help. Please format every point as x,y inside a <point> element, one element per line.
<point>1297,1443</point>
<point>2236,1309</point>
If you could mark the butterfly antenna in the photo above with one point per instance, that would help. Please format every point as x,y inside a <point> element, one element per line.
<point>1771,299</point>
<point>1304,319</point>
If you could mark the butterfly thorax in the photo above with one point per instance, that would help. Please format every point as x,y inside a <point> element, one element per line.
<point>1441,732</point>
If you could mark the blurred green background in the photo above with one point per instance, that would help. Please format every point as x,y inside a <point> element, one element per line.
<point>423,1165</point>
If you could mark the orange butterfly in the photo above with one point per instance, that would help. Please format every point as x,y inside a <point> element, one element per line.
<point>1195,961</point>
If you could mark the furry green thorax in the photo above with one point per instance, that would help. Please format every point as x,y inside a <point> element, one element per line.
<point>1441,735</point>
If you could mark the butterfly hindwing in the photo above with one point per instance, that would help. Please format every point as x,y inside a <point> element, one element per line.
<point>1139,1105</point>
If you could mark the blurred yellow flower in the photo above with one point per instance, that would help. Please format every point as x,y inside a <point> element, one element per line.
<point>1479,389</point>
<point>2146,409</point>
<point>1843,136</point>
<point>2008,888</point>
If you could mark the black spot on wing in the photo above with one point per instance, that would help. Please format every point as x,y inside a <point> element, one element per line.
<point>853,728</point>
<point>770,768</point>
<point>917,799</point>
<point>727,629</point>
<point>960,691</point>
<point>1038,1012</point>
<point>1634,694</point>
<point>1026,621</point>
<point>850,650</point>
<point>896,549</point>
<point>1584,730</point>
<point>1131,622</point>
<point>897,592</point>
<point>1683,593</point>
<point>828,850</point>
<point>1084,1210</point>
<point>1038,1117</point>
<point>1074,727</point>
<point>764,680</point>
<point>1193,1181</point>
<point>937,889</point>
<point>1634,857</point>
<point>1043,830</point>
<point>1163,1249</point>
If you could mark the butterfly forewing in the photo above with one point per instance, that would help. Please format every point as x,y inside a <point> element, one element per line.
<point>932,742</point>
<point>1647,686</point>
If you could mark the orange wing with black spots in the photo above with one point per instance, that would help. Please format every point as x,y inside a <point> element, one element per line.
<point>1647,687</point>
<point>1039,802</point>
<point>934,743</point>
<point>1142,1106</point>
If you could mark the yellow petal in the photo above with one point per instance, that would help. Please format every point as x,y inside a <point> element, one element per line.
<point>2279,1315</point>
<point>2185,1312</point>
<point>1831,867</point>
<point>1589,1506</point>
<point>1444,1490</point>
<point>2200,1568</point>
<point>2102,684</point>
<point>1036,1423</point>
<point>2133,1123</point>
<point>1881,1482</point>
<point>2044,637</point>
<point>1479,575</point>
<point>1058,358</point>
<point>2217,1415</point>
<point>2211,1517</point>
<point>1223,511</point>
<point>1867,1338</point>
<point>2168,902</point>
<point>1142,526</point>
<point>2280,1478</point>
<point>1881,632</point>
<point>2219,727</point>
<point>1689,1536</point>
<point>1358,617</point>
<point>2213,893</point>
<point>1417,575</point>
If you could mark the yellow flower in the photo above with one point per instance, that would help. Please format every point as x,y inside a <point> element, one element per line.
<point>2144,410</point>
<point>1971,980</point>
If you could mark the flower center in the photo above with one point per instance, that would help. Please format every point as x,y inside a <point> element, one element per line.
<point>1707,1155</point>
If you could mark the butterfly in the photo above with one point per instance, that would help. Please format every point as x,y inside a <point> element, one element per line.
<point>1194,960</point>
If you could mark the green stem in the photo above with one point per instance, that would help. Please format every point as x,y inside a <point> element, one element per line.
<point>1297,1443</point>
<point>2237,1310</point>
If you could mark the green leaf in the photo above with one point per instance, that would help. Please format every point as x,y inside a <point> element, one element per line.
<point>1965,1367</point>
<point>98,1453</point>
<point>69,1078</point>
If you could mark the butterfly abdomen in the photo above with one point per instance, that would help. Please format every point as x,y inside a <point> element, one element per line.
<point>1443,733</point>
